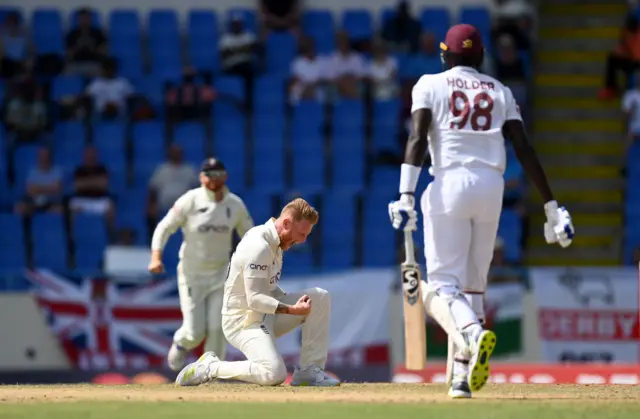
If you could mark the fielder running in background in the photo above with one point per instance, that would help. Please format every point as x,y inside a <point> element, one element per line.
<point>208,216</point>
<point>256,311</point>
<point>467,116</point>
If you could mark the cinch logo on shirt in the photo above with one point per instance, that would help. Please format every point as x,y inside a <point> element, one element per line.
<point>211,227</point>
<point>255,266</point>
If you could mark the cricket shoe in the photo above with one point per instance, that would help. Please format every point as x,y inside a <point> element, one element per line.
<point>460,388</point>
<point>313,377</point>
<point>479,370</point>
<point>175,358</point>
<point>198,372</point>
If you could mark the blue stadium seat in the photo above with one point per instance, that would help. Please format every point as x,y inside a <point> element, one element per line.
<point>281,48</point>
<point>436,20</point>
<point>191,137</point>
<point>226,110</point>
<point>202,56</point>
<point>230,86</point>
<point>202,23</point>
<point>69,143</point>
<point>349,114</point>
<point>319,26</point>
<point>480,17</point>
<point>269,92</point>
<point>89,235</point>
<point>162,23</point>
<point>510,229</point>
<point>97,19</point>
<point>130,66</point>
<point>386,14</point>
<point>308,162</point>
<point>338,230</point>
<point>248,16</point>
<point>47,31</point>
<point>386,126</point>
<point>379,238</point>
<point>308,114</point>
<point>386,178</point>
<point>148,146</point>
<point>13,251</point>
<point>110,140</point>
<point>125,32</point>
<point>5,10</point>
<point>260,205</point>
<point>171,250</point>
<point>268,154</point>
<point>49,242</point>
<point>348,160</point>
<point>63,86</point>
<point>230,146</point>
<point>358,24</point>
<point>152,88</point>
<point>24,158</point>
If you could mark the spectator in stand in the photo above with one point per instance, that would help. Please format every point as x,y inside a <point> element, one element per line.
<point>307,74</point>
<point>625,58</point>
<point>13,46</point>
<point>402,31</point>
<point>189,100</point>
<point>109,95</point>
<point>43,188</point>
<point>238,51</point>
<point>86,45</point>
<point>346,68</point>
<point>91,187</point>
<point>169,181</point>
<point>508,66</point>
<point>631,109</point>
<point>426,60</point>
<point>280,15</point>
<point>383,73</point>
<point>26,115</point>
<point>514,18</point>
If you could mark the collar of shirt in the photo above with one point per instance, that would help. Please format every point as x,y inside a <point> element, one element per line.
<point>212,195</point>
<point>272,235</point>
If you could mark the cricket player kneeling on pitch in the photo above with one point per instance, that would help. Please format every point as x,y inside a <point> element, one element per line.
<point>208,216</point>
<point>256,310</point>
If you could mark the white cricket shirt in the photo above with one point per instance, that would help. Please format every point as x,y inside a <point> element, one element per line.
<point>469,110</point>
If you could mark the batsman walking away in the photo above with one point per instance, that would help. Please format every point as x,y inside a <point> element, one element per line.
<point>462,118</point>
<point>208,217</point>
<point>256,311</point>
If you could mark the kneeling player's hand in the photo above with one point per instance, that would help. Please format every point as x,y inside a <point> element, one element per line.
<point>302,307</point>
<point>156,266</point>
<point>402,213</point>
<point>559,226</point>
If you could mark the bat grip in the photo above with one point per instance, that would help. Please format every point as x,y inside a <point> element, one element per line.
<point>410,255</point>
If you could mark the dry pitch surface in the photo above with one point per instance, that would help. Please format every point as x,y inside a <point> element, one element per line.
<point>372,401</point>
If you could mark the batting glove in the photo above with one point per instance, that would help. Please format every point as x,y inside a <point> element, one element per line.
<point>559,227</point>
<point>402,213</point>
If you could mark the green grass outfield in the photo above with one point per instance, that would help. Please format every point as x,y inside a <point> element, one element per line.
<point>370,401</point>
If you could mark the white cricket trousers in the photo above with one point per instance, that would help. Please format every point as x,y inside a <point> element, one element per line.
<point>257,341</point>
<point>201,305</point>
<point>461,210</point>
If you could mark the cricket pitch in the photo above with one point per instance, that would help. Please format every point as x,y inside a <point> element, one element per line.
<point>372,401</point>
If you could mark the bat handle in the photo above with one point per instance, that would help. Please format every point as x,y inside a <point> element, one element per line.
<point>410,255</point>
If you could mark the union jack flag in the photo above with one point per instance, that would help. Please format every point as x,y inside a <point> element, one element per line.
<point>102,324</point>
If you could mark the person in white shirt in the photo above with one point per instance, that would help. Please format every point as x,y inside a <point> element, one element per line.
<point>109,93</point>
<point>208,217</point>
<point>307,74</point>
<point>346,68</point>
<point>383,72</point>
<point>463,117</point>
<point>631,109</point>
<point>256,310</point>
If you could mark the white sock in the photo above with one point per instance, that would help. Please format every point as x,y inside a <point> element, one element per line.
<point>237,370</point>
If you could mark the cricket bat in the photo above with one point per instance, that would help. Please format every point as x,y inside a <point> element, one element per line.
<point>415,339</point>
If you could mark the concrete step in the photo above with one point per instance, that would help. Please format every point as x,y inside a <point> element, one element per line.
<point>612,126</point>
<point>578,160</point>
<point>594,197</point>
<point>587,186</point>
<point>579,138</point>
<point>576,44</point>
<point>548,113</point>
<point>568,80</point>
<point>550,92</point>
<point>573,102</point>
<point>575,8</point>
<point>583,21</point>
<point>554,255</point>
<point>602,208</point>
<point>598,32</point>
<point>583,172</point>
<point>571,56</point>
<point>556,146</point>
<point>595,68</point>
